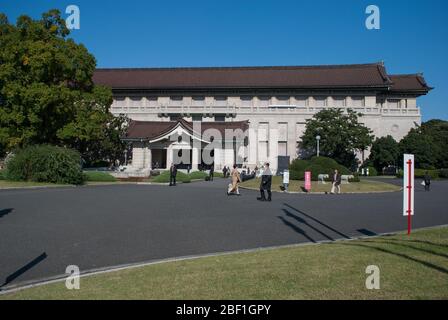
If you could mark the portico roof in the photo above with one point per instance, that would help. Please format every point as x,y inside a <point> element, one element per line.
<point>153,130</point>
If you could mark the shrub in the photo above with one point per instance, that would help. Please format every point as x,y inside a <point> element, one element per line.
<point>98,176</point>
<point>372,171</point>
<point>420,173</point>
<point>45,163</point>
<point>164,177</point>
<point>443,173</point>
<point>317,165</point>
<point>2,175</point>
<point>197,175</point>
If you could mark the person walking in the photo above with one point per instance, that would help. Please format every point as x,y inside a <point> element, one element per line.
<point>265,184</point>
<point>336,182</point>
<point>236,179</point>
<point>173,173</point>
<point>224,172</point>
<point>427,181</point>
<point>285,180</point>
<point>211,172</point>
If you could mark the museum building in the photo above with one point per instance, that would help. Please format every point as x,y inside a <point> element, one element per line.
<point>173,110</point>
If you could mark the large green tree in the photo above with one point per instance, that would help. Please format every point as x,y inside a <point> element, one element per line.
<point>438,131</point>
<point>341,135</point>
<point>384,152</point>
<point>46,90</point>
<point>423,146</point>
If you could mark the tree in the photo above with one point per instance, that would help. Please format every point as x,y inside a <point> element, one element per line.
<point>341,135</point>
<point>438,131</point>
<point>422,146</point>
<point>46,90</point>
<point>384,152</point>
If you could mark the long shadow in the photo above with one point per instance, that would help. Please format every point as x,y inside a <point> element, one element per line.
<point>399,243</point>
<point>423,242</point>
<point>296,229</point>
<point>300,220</point>
<point>422,262</point>
<point>367,232</point>
<point>4,212</point>
<point>24,269</point>
<point>318,221</point>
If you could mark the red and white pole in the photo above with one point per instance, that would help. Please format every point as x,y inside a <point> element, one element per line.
<point>408,188</point>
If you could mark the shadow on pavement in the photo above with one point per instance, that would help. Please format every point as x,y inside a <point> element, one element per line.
<point>4,212</point>
<point>24,269</point>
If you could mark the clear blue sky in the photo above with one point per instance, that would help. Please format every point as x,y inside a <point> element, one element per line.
<point>413,36</point>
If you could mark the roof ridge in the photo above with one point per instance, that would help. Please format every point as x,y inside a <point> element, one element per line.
<point>284,67</point>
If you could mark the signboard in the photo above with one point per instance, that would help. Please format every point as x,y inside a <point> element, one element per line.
<point>307,180</point>
<point>408,188</point>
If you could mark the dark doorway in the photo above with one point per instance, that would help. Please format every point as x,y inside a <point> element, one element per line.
<point>158,158</point>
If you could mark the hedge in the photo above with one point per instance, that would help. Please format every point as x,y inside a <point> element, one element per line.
<point>420,173</point>
<point>317,165</point>
<point>198,175</point>
<point>45,163</point>
<point>2,175</point>
<point>164,177</point>
<point>98,176</point>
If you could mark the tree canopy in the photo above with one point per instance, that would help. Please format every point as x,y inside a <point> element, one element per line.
<point>341,135</point>
<point>384,152</point>
<point>46,90</point>
<point>428,143</point>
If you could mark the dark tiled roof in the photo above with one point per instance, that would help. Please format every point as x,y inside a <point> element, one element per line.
<point>149,130</point>
<point>331,76</point>
<point>409,82</point>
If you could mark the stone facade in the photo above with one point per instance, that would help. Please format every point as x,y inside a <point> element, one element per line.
<point>388,108</point>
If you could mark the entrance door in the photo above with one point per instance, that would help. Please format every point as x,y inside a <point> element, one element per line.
<point>158,158</point>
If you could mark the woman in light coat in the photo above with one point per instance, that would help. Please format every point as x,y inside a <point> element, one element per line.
<point>236,179</point>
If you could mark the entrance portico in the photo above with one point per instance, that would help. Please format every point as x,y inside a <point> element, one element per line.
<point>156,145</point>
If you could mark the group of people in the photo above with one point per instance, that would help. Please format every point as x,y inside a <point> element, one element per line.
<point>265,184</point>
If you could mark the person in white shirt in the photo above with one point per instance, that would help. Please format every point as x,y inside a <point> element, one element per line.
<point>285,180</point>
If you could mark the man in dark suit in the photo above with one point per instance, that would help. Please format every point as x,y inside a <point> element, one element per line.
<point>265,185</point>
<point>212,171</point>
<point>427,180</point>
<point>173,173</point>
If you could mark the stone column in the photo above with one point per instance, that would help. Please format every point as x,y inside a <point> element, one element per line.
<point>195,159</point>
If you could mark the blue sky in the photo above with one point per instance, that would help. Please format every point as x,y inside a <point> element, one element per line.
<point>136,33</point>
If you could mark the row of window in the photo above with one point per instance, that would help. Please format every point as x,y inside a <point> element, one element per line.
<point>266,101</point>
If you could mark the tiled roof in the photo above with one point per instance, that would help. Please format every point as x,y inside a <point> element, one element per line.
<point>327,76</point>
<point>409,82</point>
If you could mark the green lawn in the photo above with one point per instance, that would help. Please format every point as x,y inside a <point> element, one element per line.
<point>414,267</point>
<point>365,185</point>
<point>24,184</point>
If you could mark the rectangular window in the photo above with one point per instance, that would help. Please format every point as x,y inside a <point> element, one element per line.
<point>358,101</point>
<point>283,131</point>
<point>263,131</point>
<point>338,102</point>
<point>393,103</point>
<point>198,100</point>
<point>196,117</point>
<point>301,101</point>
<point>135,102</point>
<point>263,101</point>
<point>220,101</point>
<point>246,101</point>
<point>321,101</point>
<point>282,100</point>
<point>282,148</point>
<point>220,118</point>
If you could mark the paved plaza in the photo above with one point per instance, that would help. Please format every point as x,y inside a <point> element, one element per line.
<point>45,230</point>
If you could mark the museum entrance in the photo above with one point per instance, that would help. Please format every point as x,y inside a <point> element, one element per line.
<point>159,158</point>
